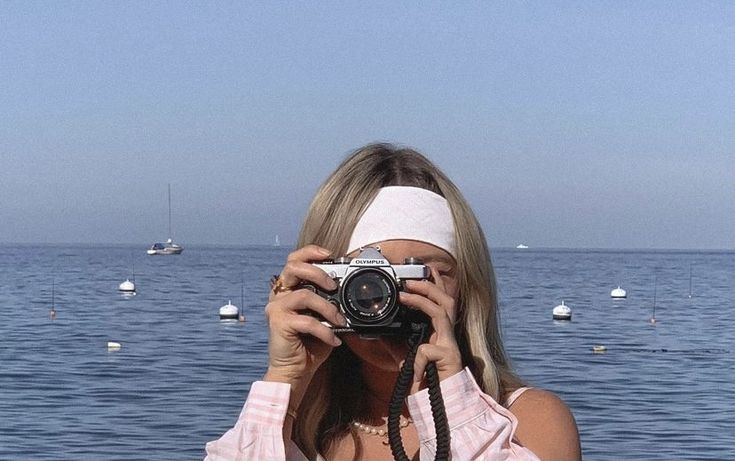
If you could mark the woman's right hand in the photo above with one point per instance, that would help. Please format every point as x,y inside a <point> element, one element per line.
<point>299,342</point>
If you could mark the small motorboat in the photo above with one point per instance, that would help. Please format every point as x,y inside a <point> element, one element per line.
<point>618,293</point>
<point>562,312</point>
<point>229,311</point>
<point>168,248</point>
<point>522,246</point>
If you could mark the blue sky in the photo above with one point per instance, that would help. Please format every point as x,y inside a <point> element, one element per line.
<point>566,124</point>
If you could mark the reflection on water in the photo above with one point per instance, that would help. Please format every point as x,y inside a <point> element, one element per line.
<point>181,375</point>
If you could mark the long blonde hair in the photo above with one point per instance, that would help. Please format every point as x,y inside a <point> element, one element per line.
<point>329,406</point>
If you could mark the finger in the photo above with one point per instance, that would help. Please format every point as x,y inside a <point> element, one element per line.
<point>421,302</point>
<point>295,272</point>
<point>304,324</point>
<point>440,320</point>
<point>419,365</point>
<point>431,290</point>
<point>309,253</point>
<point>447,359</point>
<point>435,293</point>
<point>437,278</point>
<point>301,300</point>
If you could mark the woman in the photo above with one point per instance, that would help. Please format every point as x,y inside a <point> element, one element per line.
<point>325,396</point>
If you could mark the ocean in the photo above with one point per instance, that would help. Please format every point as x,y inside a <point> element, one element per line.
<point>659,392</point>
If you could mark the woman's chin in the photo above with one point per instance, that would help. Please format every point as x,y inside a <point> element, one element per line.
<point>385,353</point>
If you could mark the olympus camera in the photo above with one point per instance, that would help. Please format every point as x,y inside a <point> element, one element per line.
<point>367,293</point>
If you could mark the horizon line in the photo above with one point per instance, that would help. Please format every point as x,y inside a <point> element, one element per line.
<point>290,245</point>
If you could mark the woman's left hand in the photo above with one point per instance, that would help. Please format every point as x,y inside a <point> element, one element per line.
<point>431,298</point>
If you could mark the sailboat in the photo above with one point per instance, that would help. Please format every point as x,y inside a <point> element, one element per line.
<point>168,248</point>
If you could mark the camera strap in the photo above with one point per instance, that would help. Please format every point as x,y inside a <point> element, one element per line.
<point>420,333</point>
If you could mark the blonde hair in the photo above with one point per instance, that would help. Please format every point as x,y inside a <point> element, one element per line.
<point>326,412</point>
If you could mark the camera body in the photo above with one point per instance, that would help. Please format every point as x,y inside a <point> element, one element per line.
<point>367,292</point>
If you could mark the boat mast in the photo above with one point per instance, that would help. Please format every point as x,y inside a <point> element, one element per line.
<point>170,237</point>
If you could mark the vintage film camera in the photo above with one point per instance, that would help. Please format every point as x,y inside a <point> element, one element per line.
<point>367,293</point>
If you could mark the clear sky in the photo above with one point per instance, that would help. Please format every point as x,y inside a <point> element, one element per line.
<point>566,124</point>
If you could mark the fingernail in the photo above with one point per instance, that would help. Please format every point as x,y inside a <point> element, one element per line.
<point>341,320</point>
<point>324,251</point>
<point>337,342</point>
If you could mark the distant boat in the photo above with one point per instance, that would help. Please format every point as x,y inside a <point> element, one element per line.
<point>277,242</point>
<point>168,248</point>
<point>522,246</point>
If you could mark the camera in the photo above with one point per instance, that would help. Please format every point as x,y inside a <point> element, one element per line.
<point>367,292</point>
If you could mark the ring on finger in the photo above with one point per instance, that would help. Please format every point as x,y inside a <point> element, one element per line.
<point>277,285</point>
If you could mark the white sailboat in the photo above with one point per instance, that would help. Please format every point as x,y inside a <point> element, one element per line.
<point>168,248</point>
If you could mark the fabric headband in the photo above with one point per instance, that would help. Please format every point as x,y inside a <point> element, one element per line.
<point>406,213</point>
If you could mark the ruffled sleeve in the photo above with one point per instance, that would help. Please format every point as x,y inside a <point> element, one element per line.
<point>258,433</point>
<point>480,428</point>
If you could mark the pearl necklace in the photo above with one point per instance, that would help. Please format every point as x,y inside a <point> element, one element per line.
<point>379,431</point>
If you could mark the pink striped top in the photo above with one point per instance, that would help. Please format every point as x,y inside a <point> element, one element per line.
<point>480,428</point>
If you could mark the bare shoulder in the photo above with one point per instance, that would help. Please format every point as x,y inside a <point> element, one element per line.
<point>546,426</point>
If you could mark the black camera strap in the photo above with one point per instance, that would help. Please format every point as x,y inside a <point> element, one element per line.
<point>420,333</point>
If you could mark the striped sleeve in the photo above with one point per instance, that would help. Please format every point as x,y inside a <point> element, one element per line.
<point>258,433</point>
<point>480,428</point>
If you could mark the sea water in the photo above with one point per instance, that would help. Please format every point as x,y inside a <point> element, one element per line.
<point>659,392</point>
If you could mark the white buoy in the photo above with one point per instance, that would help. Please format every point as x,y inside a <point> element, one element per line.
<point>562,312</point>
<point>127,286</point>
<point>228,311</point>
<point>113,346</point>
<point>618,293</point>
<point>599,349</point>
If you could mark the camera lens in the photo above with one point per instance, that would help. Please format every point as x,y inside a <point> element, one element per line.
<point>369,295</point>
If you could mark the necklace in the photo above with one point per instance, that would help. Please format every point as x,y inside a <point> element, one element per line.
<point>378,430</point>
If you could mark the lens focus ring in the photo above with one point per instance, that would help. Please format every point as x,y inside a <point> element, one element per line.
<point>369,295</point>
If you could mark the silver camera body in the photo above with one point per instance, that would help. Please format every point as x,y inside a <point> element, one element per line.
<point>367,292</point>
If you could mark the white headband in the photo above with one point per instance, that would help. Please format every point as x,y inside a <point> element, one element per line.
<point>406,213</point>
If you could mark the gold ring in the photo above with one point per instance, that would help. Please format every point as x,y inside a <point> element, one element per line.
<point>277,285</point>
